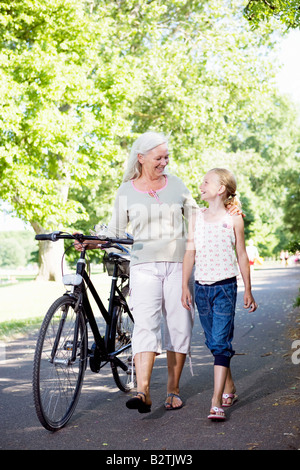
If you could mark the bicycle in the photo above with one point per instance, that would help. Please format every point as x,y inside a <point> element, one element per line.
<point>62,349</point>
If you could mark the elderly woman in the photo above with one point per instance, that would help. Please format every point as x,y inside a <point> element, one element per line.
<point>155,204</point>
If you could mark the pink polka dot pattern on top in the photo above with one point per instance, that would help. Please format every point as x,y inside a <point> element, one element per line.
<point>215,249</point>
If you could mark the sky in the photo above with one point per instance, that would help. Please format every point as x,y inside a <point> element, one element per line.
<point>288,82</point>
<point>11,223</point>
<point>289,77</point>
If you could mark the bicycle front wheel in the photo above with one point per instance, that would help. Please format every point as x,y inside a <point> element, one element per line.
<point>120,344</point>
<point>59,363</point>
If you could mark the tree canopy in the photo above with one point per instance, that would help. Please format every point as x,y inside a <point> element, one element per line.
<point>81,79</point>
<point>286,12</point>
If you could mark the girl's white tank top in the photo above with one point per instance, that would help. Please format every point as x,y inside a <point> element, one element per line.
<point>215,249</point>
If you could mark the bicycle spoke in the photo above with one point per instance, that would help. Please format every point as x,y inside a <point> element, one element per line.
<point>58,379</point>
<point>122,326</point>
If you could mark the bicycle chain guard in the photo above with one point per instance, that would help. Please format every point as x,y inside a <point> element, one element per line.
<point>95,359</point>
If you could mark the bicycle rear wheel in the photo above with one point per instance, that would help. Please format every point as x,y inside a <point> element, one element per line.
<point>57,371</point>
<point>120,343</point>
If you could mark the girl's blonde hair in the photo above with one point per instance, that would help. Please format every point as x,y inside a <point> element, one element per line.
<point>143,144</point>
<point>228,180</point>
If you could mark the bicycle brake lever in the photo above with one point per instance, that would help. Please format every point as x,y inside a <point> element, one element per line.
<point>54,235</point>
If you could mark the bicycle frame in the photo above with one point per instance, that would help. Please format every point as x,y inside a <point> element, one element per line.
<point>101,352</point>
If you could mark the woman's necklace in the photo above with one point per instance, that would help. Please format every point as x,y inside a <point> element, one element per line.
<point>153,193</point>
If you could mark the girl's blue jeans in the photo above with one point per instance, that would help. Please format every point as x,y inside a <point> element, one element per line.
<point>216,306</point>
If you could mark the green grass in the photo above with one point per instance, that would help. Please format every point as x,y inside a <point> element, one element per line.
<point>16,327</point>
<point>24,304</point>
<point>23,277</point>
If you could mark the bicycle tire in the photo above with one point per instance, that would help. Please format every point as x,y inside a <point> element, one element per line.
<point>57,382</point>
<point>120,336</point>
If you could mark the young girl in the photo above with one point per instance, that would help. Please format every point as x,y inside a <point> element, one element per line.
<point>216,246</point>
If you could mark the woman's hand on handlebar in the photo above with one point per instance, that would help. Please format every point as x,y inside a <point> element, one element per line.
<point>87,245</point>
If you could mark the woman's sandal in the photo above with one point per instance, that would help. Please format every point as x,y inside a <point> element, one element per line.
<point>232,396</point>
<point>169,405</point>
<point>217,414</point>
<point>137,403</point>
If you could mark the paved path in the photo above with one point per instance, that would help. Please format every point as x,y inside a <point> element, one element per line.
<point>265,417</point>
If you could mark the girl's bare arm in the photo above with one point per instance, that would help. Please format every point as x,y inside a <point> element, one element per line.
<point>243,262</point>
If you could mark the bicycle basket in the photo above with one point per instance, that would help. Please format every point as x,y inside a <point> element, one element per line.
<point>109,263</point>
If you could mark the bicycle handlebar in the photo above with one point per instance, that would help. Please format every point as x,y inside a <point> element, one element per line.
<point>54,236</point>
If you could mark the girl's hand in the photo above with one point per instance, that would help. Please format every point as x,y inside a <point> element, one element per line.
<point>186,298</point>
<point>250,303</point>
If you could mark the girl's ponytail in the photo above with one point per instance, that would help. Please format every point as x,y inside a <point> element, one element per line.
<point>228,180</point>
<point>232,200</point>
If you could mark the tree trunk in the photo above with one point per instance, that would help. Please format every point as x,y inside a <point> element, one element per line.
<point>51,253</point>
<point>50,260</point>
<point>50,257</point>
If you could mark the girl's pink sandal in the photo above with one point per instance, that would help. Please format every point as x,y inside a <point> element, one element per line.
<point>233,397</point>
<point>217,414</point>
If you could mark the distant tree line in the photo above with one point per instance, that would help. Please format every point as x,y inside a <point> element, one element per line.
<point>81,79</point>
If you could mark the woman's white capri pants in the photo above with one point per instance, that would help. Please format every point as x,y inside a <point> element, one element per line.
<point>155,290</point>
